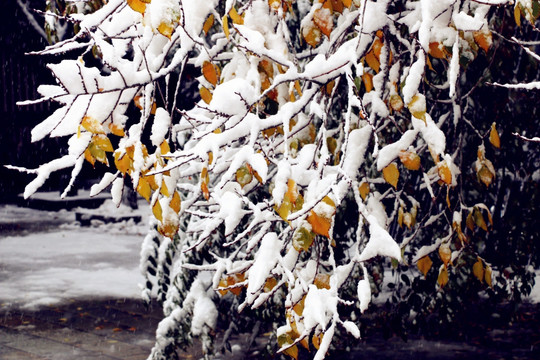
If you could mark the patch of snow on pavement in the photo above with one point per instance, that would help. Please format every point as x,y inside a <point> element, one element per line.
<point>73,262</point>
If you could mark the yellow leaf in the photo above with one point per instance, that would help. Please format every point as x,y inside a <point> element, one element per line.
<point>302,239</point>
<point>424,264</point>
<point>347,3</point>
<point>206,95</point>
<point>292,352</point>
<point>417,107</point>
<point>485,175</point>
<point>156,210</point>
<point>164,190</point>
<point>410,160</point>
<point>243,175</point>
<point>225,21</point>
<point>322,281</point>
<point>478,270</point>
<point>102,142</point>
<point>487,275</point>
<point>88,156</point>
<point>144,189</point>
<point>221,287</point>
<point>210,72</point>
<point>364,190</point>
<point>372,61</point>
<point>470,221</point>
<point>123,162</point>
<point>391,174</point>
<point>98,153</point>
<point>396,103</point>
<point>479,219</point>
<point>494,136</point>
<point>166,29</point>
<point>175,202</point>
<point>164,148</point>
<point>92,125</point>
<point>323,19</point>
<point>442,279</point>
<point>270,284</point>
<point>316,340</point>
<point>137,5</point>
<point>208,23</point>
<point>284,209</point>
<point>517,15</point>
<point>237,19</point>
<point>445,253</point>
<point>298,308</point>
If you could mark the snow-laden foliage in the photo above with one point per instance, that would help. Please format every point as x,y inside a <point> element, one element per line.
<point>324,136</point>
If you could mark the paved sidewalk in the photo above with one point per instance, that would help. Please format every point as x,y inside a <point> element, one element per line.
<point>83,330</point>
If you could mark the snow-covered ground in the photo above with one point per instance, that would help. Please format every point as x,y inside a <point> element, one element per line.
<point>68,261</point>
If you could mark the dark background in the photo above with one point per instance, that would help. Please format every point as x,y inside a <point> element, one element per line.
<point>20,75</point>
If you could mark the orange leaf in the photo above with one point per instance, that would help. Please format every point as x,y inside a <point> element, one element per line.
<point>319,224</point>
<point>494,136</point>
<point>391,174</point>
<point>437,51</point>
<point>312,35</point>
<point>372,61</point>
<point>116,130</point>
<point>323,19</point>
<point>210,72</point>
<point>424,264</point>
<point>347,3</point>
<point>410,160</point>
<point>483,38</point>
<point>368,81</point>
